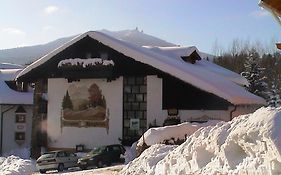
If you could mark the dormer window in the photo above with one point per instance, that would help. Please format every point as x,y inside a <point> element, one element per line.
<point>192,58</point>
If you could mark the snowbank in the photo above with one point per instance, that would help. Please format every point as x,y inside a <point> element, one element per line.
<point>145,163</point>
<point>131,153</point>
<point>180,131</point>
<point>249,144</point>
<point>13,165</point>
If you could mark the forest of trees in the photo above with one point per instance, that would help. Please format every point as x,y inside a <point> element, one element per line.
<point>260,66</point>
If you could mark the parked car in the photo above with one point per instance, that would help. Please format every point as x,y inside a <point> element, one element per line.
<point>56,160</point>
<point>105,155</point>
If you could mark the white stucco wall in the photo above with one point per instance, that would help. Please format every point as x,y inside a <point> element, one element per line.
<point>69,137</point>
<point>155,111</point>
<point>9,128</point>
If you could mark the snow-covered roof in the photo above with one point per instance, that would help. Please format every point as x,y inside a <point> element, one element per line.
<point>10,66</point>
<point>9,74</point>
<point>10,96</point>
<point>193,74</point>
<point>179,51</point>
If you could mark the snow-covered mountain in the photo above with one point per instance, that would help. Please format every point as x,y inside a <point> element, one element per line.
<point>28,54</point>
<point>137,37</point>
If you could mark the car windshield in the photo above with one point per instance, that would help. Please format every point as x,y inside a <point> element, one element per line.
<point>48,155</point>
<point>97,150</point>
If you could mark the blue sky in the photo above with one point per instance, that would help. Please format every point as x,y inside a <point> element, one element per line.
<point>184,22</point>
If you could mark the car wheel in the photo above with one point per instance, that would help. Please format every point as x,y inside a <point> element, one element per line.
<point>108,163</point>
<point>42,171</point>
<point>99,164</point>
<point>83,167</point>
<point>60,167</point>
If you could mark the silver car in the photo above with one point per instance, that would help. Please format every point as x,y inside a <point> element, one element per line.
<point>56,160</point>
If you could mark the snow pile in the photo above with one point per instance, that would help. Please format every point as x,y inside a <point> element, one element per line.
<point>13,165</point>
<point>146,162</point>
<point>180,131</point>
<point>249,144</point>
<point>85,62</point>
<point>131,153</point>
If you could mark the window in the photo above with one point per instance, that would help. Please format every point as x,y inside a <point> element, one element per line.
<point>116,148</point>
<point>20,118</point>
<point>61,154</point>
<point>19,136</point>
<point>20,124</point>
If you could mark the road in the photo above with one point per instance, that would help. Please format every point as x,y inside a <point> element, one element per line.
<point>113,170</point>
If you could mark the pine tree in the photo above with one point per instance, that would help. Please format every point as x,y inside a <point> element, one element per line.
<point>274,97</point>
<point>66,102</point>
<point>255,75</point>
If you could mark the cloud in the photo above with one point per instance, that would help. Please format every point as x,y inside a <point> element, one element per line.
<point>13,31</point>
<point>13,37</point>
<point>259,14</point>
<point>48,28</point>
<point>51,9</point>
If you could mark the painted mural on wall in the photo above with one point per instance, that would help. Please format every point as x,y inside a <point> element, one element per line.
<point>84,105</point>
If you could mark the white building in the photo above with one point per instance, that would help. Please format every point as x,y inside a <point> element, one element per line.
<point>16,111</point>
<point>101,90</point>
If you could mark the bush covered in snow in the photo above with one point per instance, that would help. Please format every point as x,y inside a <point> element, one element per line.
<point>249,144</point>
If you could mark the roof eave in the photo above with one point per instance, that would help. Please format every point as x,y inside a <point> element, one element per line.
<point>275,13</point>
<point>30,67</point>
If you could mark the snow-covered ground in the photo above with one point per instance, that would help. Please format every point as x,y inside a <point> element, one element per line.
<point>13,165</point>
<point>113,170</point>
<point>250,144</point>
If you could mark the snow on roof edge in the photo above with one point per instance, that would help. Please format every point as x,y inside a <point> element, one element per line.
<point>49,55</point>
<point>10,96</point>
<point>146,55</point>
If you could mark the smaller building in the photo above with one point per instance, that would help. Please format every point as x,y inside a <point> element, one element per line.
<point>16,111</point>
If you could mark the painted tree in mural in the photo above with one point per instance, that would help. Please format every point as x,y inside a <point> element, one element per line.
<point>66,102</point>
<point>254,73</point>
